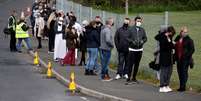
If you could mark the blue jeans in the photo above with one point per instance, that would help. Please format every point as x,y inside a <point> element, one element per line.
<point>92,59</point>
<point>19,44</point>
<point>105,59</point>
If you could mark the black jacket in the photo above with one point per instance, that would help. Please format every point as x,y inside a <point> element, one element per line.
<point>137,38</point>
<point>56,29</point>
<point>83,43</point>
<point>166,47</point>
<point>99,28</point>
<point>188,48</point>
<point>120,38</point>
<point>92,37</point>
<point>12,23</point>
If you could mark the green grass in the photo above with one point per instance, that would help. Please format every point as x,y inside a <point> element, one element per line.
<point>152,22</point>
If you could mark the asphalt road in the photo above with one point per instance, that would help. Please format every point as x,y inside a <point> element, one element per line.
<point>19,81</point>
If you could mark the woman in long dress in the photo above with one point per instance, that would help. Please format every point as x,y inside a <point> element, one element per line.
<point>60,42</point>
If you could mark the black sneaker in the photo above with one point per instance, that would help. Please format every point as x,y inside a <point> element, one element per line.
<point>181,89</point>
<point>91,72</point>
<point>129,82</point>
<point>135,81</point>
<point>30,49</point>
<point>86,72</point>
<point>39,47</point>
<point>19,51</point>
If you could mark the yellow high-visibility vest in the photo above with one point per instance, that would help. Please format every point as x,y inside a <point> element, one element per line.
<point>20,33</point>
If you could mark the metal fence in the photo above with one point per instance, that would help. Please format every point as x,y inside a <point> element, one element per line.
<point>151,23</point>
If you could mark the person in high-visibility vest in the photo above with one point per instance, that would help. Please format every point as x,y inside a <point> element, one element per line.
<point>22,34</point>
<point>12,27</point>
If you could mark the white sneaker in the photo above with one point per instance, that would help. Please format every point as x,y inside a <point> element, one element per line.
<point>168,89</point>
<point>163,90</point>
<point>126,76</point>
<point>117,77</point>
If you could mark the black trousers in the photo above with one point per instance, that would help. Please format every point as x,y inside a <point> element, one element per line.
<point>182,69</point>
<point>122,65</point>
<point>39,39</point>
<point>13,42</point>
<point>39,42</point>
<point>134,58</point>
<point>51,40</point>
<point>82,57</point>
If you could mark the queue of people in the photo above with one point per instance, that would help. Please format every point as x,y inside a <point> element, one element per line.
<point>66,37</point>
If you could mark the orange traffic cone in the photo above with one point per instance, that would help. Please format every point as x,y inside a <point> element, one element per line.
<point>49,70</point>
<point>72,85</point>
<point>36,59</point>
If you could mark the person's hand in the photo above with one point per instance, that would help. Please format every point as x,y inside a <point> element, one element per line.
<point>73,30</point>
<point>174,42</point>
<point>135,42</point>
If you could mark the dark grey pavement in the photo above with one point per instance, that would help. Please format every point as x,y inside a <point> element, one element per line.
<point>19,79</point>
<point>136,92</point>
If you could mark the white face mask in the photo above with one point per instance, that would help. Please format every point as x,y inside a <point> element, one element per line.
<point>60,22</point>
<point>138,24</point>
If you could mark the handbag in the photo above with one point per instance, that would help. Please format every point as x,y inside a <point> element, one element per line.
<point>6,31</point>
<point>154,66</point>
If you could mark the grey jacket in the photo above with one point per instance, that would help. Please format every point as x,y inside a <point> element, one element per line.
<point>106,39</point>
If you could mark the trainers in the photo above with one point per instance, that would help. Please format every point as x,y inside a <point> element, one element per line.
<point>91,72</point>
<point>129,82</point>
<point>134,81</point>
<point>168,89</point>
<point>86,72</point>
<point>107,78</point>
<point>50,51</point>
<point>181,89</point>
<point>126,76</point>
<point>117,77</point>
<point>56,60</point>
<point>163,90</point>
<point>19,51</point>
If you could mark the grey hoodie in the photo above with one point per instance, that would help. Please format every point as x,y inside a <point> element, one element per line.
<point>106,38</point>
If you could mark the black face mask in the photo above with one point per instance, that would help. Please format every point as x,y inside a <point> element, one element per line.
<point>98,23</point>
<point>112,24</point>
<point>170,36</point>
<point>125,25</point>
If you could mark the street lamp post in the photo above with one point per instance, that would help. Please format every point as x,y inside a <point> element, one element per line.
<point>126,7</point>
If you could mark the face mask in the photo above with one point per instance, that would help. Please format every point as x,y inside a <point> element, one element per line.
<point>170,36</point>
<point>60,22</point>
<point>125,25</point>
<point>184,34</point>
<point>112,24</point>
<point>138,24</point>
<point>97,22</point>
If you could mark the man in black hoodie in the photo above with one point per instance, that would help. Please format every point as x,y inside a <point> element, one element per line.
<point>121,44</point>
<point>137,38</point>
